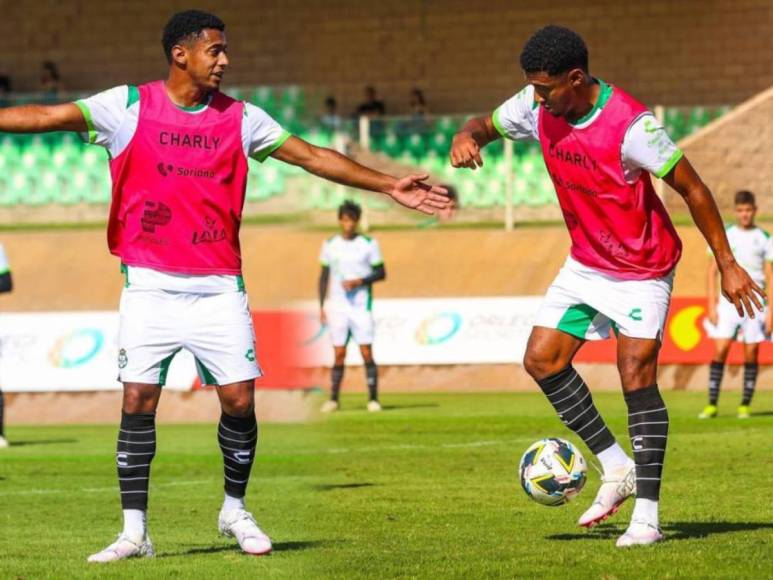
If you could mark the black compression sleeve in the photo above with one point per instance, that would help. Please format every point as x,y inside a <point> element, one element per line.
<point>324,275</point>
<point>6,282</point>
<point>378,274</point>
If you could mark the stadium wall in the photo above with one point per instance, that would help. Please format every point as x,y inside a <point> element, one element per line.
<point>462,53</point>
<point>733,153</point>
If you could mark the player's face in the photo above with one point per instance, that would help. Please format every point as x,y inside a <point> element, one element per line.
<point>206,59</point>
<point>348,225</point>
<point>557,94</point>
<point>744,214</point>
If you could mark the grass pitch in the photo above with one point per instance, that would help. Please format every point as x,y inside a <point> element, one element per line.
<point>428,488</point>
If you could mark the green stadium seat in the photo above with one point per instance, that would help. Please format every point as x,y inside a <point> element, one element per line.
<point>416,145</point>
<point>263,97</point>
<point>293,96</point>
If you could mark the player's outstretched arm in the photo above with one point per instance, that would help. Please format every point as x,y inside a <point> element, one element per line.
<point>42,118</point>
<point>736,284</point>
<point>410,191</point>
<point>474,136</point>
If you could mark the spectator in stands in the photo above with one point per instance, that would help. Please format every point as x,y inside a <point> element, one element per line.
<point>50,81</point>
<point>418,104</point>
<point>330,119</point>
<point>5,90</point>
<point>372,106</point>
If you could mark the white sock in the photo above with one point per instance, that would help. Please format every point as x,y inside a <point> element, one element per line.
<point>134,524</point>
<point>646,510</point>
<point>613,458</point>
<point>232,503</point>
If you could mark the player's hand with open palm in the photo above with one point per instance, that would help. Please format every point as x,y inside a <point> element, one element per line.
<point>741,290</point>
<point>412,192</point>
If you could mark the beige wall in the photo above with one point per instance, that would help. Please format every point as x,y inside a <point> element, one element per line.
<point>462,52</point>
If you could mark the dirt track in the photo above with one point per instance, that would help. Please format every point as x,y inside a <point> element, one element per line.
<point>72,270</point>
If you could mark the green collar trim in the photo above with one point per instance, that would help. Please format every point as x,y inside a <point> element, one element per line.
<point>195,108</point>
<point>604,95</point>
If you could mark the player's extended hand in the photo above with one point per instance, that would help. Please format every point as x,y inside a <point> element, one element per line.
<point>414,193</point>
<point>465,151</point>
<point>350,285</point>
<point>741,290</point>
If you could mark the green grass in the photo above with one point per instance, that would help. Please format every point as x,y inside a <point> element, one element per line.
<point>426,489</point>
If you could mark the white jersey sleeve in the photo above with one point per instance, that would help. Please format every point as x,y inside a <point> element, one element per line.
<point>768,248</point>
<point>516,118</point>
<point>4,266</point>
<point>324,254</point>
<point>375,253</point>
<point>647,146</point>
<point>105,115</point>
<point>261,135</point>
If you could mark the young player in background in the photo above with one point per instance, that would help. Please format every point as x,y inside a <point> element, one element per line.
<point>600,146</point>
<point>753,249</point>
<point>351,264</point>
<point>178,159</point>
<point>6,285</point>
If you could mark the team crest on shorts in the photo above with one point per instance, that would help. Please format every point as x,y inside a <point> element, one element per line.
<point>123,360</point>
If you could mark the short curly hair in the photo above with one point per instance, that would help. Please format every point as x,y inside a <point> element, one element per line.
<point>745,197</point>
<point>187,25</point>
<point>351,209</point>
<point>554,50</point>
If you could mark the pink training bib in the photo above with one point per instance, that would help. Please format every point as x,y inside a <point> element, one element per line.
<point>178,188</point>
<point>619,228</point>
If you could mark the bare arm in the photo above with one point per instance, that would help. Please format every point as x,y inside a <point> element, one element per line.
<point>474,136</point>
<point>736,284</point>
<point>769,290</point>
<point>42,118</point>
<point>410,191</point>
<point>711,290</point>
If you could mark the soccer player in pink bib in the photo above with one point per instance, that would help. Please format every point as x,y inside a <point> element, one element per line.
<point>600,146</point>
<point>178,158</point>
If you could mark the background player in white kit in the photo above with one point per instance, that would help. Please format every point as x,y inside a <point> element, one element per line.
<point>351,264</point>
<point>753,250</point>
<point>6,285</point>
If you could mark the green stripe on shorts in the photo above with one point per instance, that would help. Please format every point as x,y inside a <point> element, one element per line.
<point>577,319</point>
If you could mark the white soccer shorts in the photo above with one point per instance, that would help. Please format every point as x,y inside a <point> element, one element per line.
<point>215,328</point>
<point>729,324</point>
<point>345,322</point>
<point>587,304</point>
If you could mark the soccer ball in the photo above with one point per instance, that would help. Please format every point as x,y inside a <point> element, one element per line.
<point>552,471</point>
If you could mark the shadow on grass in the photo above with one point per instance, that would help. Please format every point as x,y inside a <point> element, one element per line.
<point>762,413</point>
<point>332,486</point>
<point>416,406</point>
<point>42,442</point>
<point>672,530</point>
<point>278,547</point>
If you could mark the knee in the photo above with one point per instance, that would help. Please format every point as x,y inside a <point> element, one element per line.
<point>241,405</point>
<point>637,372</point>
<point>139,401</point>
<point>339,358</point>
<point>540,366</point>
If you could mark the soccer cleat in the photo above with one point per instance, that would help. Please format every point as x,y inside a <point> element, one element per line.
<point>743,412</point>
<point>4,442</point>
<point>709,412</point>
<point>616,487</point>
<point>240,524</point>
<point>639,533</point>
<point>329,406</point>
<point>374,406</point>
<point>124,548</point>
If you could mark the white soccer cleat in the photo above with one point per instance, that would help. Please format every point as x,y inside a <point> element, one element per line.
<point>615,488</point>
<point>329,406</point>
<point>4,443</point>
<point>124,548</point>
<point>639,533</point>
<point>374,406</point>
<point>240,524</point>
